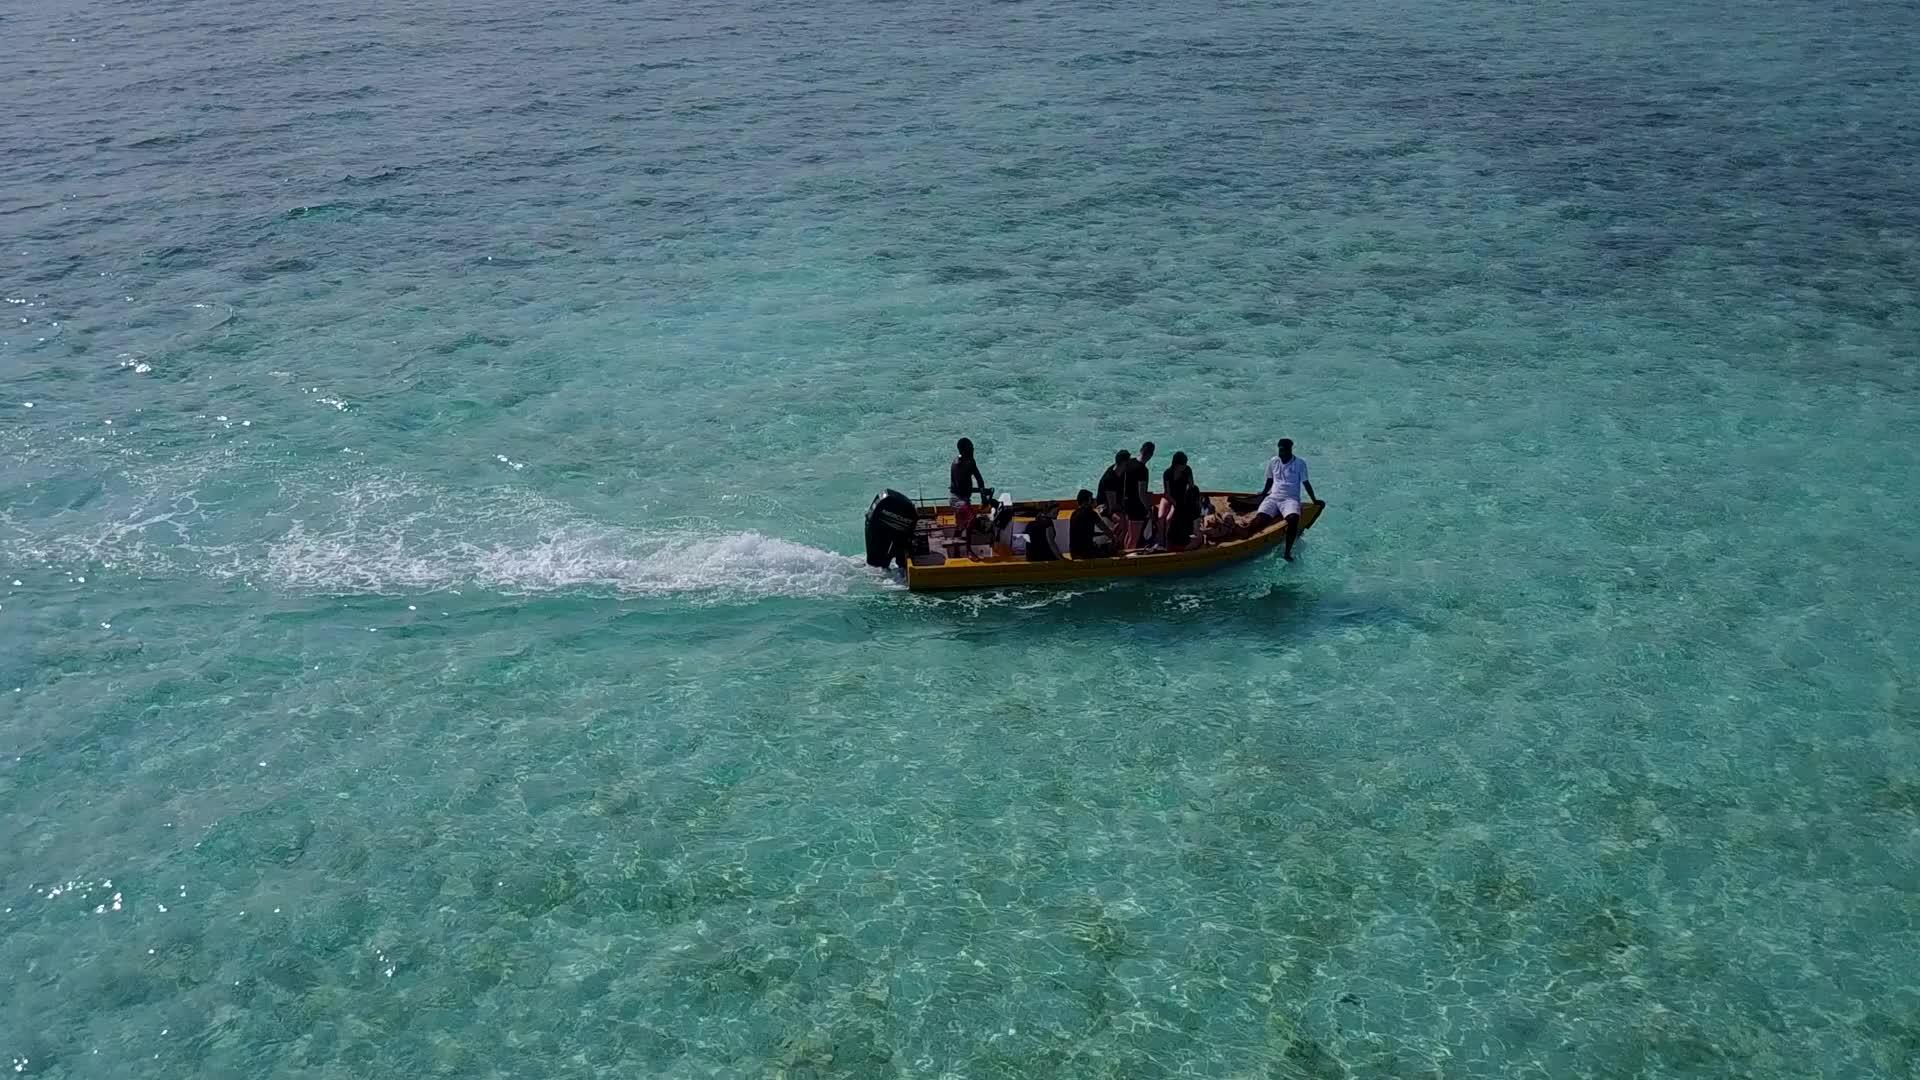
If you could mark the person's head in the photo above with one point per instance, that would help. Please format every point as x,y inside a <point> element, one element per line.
<point>1085,497</point>
<point>965,447</point>
<point>1146,452</point>
<point>1286,449</point>
<point>1179,458</point>
<point>1122,457</point>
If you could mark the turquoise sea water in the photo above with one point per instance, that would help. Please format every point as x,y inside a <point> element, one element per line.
<point>431,642</point>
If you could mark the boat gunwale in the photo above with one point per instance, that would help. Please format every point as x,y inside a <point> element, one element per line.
<point>977,574</point>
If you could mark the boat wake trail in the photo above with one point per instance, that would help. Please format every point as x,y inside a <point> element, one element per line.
<point>744,565</point>
<point>391,536</point>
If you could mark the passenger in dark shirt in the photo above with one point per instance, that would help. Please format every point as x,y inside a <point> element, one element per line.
<point>1134,479</point>
<point>1178,495</point>
<point>1088,535</point>
<point>1112,487</point>
<point>1177,477</point>
<point>1188,508</point>
<point>1042,545</point>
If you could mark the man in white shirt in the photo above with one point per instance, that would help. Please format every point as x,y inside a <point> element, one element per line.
<point>1280,498</point>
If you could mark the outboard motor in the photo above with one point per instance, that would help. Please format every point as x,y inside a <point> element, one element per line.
<point>890,529</point>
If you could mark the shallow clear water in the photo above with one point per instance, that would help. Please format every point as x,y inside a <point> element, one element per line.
<point>431,642</point>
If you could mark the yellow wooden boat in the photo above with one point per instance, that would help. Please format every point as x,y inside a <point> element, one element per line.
<point>943,560</point>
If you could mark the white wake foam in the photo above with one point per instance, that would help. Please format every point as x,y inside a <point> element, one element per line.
<point>394,535</point>
<point>738,565</point>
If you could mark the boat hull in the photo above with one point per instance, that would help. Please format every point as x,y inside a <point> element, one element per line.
<point>1007,570</point>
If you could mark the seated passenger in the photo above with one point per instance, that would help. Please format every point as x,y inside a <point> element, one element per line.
<point>1042,545</point>
<point>1089,535</point>
<point>1219,527</point>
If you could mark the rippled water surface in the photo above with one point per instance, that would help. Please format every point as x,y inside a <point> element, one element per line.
<point>434,440</point>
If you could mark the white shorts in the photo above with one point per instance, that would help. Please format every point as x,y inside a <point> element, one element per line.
<point>1279,509</point>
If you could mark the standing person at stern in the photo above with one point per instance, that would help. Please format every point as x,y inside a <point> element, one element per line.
<point>963,479</point>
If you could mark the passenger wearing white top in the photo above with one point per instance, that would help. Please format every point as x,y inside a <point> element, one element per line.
<point>1280,498</point>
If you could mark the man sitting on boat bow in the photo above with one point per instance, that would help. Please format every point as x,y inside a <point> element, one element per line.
<point>1280,497</point>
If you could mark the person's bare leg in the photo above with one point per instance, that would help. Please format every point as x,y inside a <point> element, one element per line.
<point>1293,533</point>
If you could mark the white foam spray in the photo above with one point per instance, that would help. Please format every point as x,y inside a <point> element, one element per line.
<point>577,558</point>
<point>385,535</point>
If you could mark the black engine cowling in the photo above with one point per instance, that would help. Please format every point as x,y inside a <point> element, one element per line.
<point>890,529</point>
